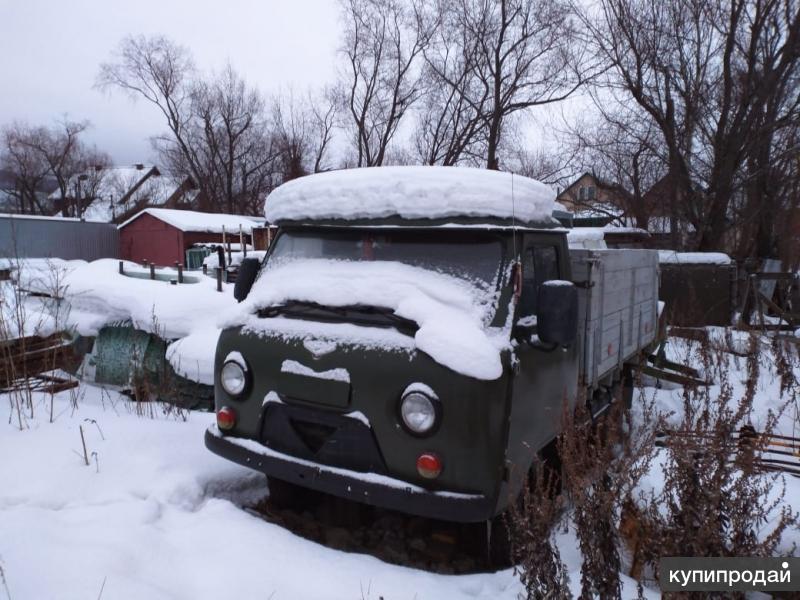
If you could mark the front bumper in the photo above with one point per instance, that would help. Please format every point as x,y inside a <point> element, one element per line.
<point>369,488</point>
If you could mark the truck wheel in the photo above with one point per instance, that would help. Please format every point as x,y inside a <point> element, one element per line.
<point>627,386</point>
<point>499,533</point>
<point>498,539</point>
<point>284,494</point>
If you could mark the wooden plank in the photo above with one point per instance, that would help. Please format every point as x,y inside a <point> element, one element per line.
<point>773,276</point>
<point>663,363</point>
<point>671,376</point>
<point>689,333</point>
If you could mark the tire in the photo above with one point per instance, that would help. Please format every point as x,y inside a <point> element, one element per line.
<point>284,494</point>
<point>627,384</point>
<point>499,535</point>
<point>499,542</point>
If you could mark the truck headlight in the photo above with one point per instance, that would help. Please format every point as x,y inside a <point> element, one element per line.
<point>419,411</point>
<point>233,378</point>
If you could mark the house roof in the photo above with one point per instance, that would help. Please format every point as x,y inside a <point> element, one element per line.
<point>194,221</point>
<point>115,191</point>
<point>614,187</point>
<point>109,182</point>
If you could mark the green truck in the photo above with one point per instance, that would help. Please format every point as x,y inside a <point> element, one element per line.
<point>411,337</point>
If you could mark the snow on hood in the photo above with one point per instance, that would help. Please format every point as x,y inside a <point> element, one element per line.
<point>452,314</point>
<point>411,193</point>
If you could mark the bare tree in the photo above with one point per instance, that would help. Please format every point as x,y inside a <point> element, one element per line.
<point>27,166</point>
<point>62,150</point>
<point>217,126</point>
<point>302,129</point>
<point>382,47</point>
<point>56,152</point>
<point>229,143</point>
<point>450,125</point>
<point>158,70</point>
<point>718,79</point>
<point>624,150</point>
<point>501,57</point>
<point>323,112</point>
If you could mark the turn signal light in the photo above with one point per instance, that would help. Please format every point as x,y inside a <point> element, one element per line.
<point>429,465</point>
<point>226,418</point>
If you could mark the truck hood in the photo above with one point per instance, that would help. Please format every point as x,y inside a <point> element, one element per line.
<point>452,313</point>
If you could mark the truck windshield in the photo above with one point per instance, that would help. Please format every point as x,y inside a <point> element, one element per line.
<point>467,254</point>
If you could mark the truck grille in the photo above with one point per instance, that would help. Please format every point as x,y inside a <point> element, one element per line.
<point>321,436</point>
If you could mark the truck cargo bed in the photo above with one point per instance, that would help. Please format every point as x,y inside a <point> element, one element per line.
<point>617,308</point>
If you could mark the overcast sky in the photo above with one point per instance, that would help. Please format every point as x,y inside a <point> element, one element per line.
<point>51,50</point>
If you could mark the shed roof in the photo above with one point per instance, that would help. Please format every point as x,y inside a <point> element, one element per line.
<point>190,220</point>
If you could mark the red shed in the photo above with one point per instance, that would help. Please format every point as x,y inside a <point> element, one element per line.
<point>162,235</point>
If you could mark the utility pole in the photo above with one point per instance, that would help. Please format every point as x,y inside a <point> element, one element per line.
<point>78,207</point>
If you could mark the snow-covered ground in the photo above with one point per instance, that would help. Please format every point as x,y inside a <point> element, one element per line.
<point>155,515</point>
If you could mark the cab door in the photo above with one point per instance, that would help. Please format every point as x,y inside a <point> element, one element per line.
<point>545,377</point>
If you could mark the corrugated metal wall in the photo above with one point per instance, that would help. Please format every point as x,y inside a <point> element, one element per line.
<point>69,239</point>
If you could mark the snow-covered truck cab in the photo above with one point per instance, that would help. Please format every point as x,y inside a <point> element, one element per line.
<point>408,341</point>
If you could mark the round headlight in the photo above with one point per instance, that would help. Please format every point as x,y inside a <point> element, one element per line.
<point>233,378</point>
<point>418,412</point>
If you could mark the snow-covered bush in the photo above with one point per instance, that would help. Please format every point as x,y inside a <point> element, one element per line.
<point>532,520</point>
<point>596,466</point>
<point>31,318</point>
<point>715,495</point>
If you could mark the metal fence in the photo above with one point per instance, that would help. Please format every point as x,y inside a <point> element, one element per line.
<point>26,236</point>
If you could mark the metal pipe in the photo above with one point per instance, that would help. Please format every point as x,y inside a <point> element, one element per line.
<point>152,271</point>
<point>219,279</point>
<point>121,269</point>
<point>179,267</point>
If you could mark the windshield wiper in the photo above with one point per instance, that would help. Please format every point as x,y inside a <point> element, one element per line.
<point>401,323</point>
<point>360,313</point>
<point>299,308</point>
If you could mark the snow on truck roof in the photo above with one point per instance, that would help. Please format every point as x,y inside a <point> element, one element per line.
<point>376,193</point>
<point>191,220</point>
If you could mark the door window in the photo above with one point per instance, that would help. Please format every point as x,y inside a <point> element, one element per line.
<point>540,264</point>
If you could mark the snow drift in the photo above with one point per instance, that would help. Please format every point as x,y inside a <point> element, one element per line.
<point>98,295</point>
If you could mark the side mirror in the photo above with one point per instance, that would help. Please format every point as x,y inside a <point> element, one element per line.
<point>245,278</point>
<point>557,304</point>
